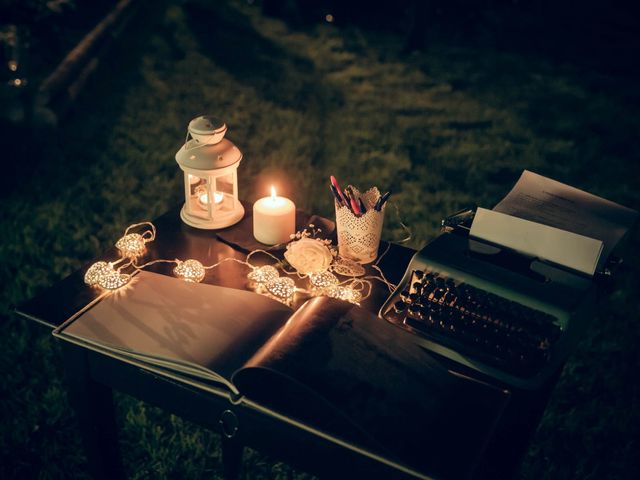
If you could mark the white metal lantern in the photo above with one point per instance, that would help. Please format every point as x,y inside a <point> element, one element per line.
<point>210,163</point>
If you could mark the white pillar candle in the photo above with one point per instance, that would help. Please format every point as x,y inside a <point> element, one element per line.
<point>274,219</point>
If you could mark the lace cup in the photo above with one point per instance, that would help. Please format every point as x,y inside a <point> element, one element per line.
<point>359,237</point>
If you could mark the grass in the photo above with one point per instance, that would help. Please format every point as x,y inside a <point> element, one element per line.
<point>446,128</point>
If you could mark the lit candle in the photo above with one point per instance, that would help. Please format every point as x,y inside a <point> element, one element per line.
<point>274,219</point>
<point>204,198</point>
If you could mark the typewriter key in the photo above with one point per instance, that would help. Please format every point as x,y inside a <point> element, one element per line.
<point>399,306</point>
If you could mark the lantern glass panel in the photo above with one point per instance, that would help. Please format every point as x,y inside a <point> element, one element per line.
<point>224,188</point>
<point>194,182</point>
<point>199,199</point>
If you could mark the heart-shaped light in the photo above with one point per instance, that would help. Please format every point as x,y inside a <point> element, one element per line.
<point>282,288</point>
<point>96,272</point>
<point>323,279</point>
<point>104,275</point>
<point>114,280</point>
<point>347,267</point>
<point>190,271</point>
<point>263,274</point>
<point>131,245</point>
<point>344,293</point>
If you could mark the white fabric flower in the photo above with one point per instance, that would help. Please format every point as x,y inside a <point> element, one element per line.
<point>308,255</point>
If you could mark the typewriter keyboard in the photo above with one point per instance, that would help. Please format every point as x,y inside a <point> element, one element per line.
<point>499,332</point>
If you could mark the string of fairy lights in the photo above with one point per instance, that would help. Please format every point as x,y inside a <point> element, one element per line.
<point>265,279</point>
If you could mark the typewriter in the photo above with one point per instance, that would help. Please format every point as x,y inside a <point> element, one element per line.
<point>508,316</point>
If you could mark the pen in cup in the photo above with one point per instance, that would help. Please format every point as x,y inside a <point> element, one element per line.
<point>334,182</point>
<point>363,209</point>
<point>381,201</point>
<point>336,195</point>
<point>355,208</point>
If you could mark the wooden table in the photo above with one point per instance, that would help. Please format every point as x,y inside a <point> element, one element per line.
<point>92,376</point>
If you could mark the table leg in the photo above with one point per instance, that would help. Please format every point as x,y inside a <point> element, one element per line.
<point>231,458</point>
<point>93,405</point>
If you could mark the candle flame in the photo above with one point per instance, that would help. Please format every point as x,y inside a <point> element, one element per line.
<point>273,193</point>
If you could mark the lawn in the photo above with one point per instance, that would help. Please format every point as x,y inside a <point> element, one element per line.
<point>445,128</point>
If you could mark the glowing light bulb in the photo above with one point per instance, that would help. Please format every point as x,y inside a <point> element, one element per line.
<point>322,280</point>
<point>282,289</point>
<point>104,275</point>
<point>344,293</point>
<point>131,245</point>
<point>190,270</point>
<point>96,272</point>
<point>264,274</point>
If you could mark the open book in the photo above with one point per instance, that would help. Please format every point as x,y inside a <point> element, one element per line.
<point>330,364</point>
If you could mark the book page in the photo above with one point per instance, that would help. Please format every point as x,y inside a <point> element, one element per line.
<point>349,373</point>
<point>185,326</point>
<point>543,200</point>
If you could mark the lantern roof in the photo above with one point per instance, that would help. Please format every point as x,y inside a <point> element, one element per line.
<point>207,125</point>
<point>200,156</point>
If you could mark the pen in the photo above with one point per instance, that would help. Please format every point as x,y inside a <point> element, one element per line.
<point>354,203</point>
<point>334,182</point>
<point>381,201</point>
<point>362,207</point>
<point>336,195</point>
<point>355,207</point>
<point>347,200</point>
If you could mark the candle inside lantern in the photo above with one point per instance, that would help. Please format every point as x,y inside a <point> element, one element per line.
<point>274,219</point>
<point>203,198</point>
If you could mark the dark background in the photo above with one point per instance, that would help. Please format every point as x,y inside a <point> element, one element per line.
<point>443,102</point>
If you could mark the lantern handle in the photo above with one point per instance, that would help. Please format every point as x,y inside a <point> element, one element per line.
<point>186,140</point>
